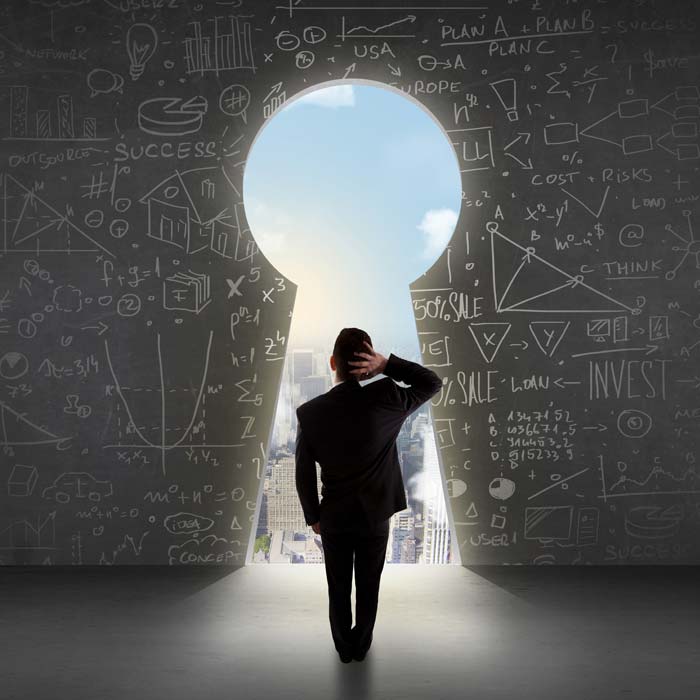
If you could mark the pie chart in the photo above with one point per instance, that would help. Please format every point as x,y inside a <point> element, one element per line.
<point>13,365</point>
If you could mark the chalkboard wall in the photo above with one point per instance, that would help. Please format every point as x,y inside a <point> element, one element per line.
<point>143,333</point>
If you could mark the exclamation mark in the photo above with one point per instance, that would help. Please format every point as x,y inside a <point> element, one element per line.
<point>506,94</point>
<point>630,89</point>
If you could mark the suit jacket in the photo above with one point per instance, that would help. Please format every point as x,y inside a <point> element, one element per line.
<point>351,431</point>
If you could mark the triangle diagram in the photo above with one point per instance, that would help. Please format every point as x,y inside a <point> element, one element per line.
<point>29,220</point>
<point>488,337</point>
<point>548,334</point>
<point>523,281</point>
<point>18,430</point>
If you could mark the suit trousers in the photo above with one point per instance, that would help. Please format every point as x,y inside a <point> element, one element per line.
<point>367,544</point>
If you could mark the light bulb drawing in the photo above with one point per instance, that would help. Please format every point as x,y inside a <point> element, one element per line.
<point>141,42</point>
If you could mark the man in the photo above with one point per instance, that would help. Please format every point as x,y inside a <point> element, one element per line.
<point>351,432</point>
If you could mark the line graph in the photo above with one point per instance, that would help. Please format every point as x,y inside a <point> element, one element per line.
<point>21,534</point>
<point>664,481</point>
<point>162,445</point>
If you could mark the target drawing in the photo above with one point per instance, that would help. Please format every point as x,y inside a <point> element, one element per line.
<point>633,423</point>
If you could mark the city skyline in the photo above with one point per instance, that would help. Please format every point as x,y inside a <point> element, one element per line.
<point>352,192</point>
<point>419,534</point>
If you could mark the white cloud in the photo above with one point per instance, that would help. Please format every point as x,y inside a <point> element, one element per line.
<point>253,206</point>
<point>421,487</point>
<point>438,225</point>
<point>271,242</point>
<point>332,97</point>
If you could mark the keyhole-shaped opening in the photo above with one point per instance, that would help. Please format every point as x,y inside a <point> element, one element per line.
<point>352,191</point>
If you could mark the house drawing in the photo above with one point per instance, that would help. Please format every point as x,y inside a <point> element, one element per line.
<point>185,210</point>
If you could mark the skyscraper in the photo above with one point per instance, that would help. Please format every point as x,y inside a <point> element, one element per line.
<point>436,539</point>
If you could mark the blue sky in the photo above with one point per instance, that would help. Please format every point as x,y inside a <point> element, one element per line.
<point>352,191</point>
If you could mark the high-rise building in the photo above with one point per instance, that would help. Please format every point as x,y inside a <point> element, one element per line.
<point>284,510</point>
<point>287,547</point>
<point>262,515</point>
<point>313,385</point>
<point>302,365</point>
<point>307,374</point>
<point>402,541</point>
<point>436,538</point>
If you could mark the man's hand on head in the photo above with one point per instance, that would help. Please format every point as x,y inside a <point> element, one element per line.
<point>372,364</point>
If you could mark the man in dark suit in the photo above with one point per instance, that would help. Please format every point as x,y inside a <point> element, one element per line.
<point>351,432</point>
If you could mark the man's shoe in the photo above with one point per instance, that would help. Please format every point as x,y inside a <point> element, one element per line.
<point>346,659</point>
<point>359,656</point>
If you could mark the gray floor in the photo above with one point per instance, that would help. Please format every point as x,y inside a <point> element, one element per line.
<point>262,632</point>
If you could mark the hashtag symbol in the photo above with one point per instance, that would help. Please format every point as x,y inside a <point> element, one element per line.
<point>97,187</point>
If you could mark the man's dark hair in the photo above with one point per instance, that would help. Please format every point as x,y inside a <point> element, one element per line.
<point>348,342</point>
